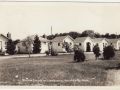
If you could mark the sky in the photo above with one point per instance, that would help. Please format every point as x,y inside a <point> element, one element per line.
<point>29,18</point>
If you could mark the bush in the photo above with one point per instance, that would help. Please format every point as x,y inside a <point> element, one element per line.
<point>54,53</point>
<point>79,56</point>
<point>108,52</point>
<point>96,51</point>
<point>47,53</point>
<point>10,47</point>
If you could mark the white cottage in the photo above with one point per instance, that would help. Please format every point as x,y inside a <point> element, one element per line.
<point>85,42</point>
<point>3,42</point>
<point>115,43</point>
<point>102,42</point>
<point>58,43</point>
<point>44,45</point>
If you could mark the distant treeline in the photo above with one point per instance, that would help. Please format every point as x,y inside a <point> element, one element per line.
<point>85,33</point>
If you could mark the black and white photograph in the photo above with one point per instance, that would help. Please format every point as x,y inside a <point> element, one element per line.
<point>64,43</point>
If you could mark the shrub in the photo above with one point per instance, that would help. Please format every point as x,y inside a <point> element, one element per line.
<point>54,53</point>
<point>108,52</point>
<point>47,53</point>
<point>96,51</point>
<point>79,56</point>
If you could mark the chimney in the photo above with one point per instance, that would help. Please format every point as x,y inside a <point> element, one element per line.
<point>45,36</point>
<point>9,35</point>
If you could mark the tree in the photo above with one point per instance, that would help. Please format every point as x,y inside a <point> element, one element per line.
<point>74,34</point>
<point>28,44</point>
<point>79,55</point>
<point>108,52</point>
<point>107,35</point>
<point>10,47</point>
<point>113,36</point>
<point>96,51</point>
<point>97,35</point>
<point>36,45</point>
<point>89,33</point>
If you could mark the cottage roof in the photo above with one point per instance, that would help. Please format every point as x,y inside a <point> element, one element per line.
<point>40,38</point>
<point>80,39</point>
<point>61,38</point>
<point>3,36</point>
<point>97,40</point>
<point>112,40</point>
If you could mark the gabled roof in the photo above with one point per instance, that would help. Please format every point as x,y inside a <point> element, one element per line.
<point>3,36</point>
<point>40,38</point>
<point>113,40</point>
<point>61,38</point>
<point>97,40</point>
<point>80,39</point>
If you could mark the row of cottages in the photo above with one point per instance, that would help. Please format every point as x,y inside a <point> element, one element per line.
<point>3,42</point>
<point>21,48</point>
<point>58,43</point>
<point>86,43</point>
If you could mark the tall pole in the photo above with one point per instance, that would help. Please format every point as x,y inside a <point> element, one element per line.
<point>116,35</point>
<point>51,30</point>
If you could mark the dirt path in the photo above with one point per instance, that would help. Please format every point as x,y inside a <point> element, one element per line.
<point>113,78</point>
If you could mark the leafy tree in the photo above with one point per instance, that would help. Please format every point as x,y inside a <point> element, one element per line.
<point>89,33</point>
<point>28,44</point>
<point>113,36</point>
<point>10,47</point>
<point>74,34</point>
<point>107,35</point>
<point>108,52</point>
<point>36,45</point>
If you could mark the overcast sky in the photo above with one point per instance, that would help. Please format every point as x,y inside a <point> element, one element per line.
<point>22,19</point>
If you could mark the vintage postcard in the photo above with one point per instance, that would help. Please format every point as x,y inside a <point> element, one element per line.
<point>59,43</point>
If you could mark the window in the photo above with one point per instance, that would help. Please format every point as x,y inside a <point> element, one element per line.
<point>58,44</point>
<point>45,43</point>
<point>80,44</point>
<point>70,43</point>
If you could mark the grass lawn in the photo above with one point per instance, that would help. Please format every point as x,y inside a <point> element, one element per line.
<point>55,71</point>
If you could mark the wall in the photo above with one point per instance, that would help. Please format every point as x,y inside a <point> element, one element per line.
<point>44,47</point>
<point>61,48</point>
<point>101,45</point>
<point>67,39</point>
<point>118,45</point>
<point>4,43</point>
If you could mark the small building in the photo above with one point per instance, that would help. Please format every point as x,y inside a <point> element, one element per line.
<point>44,45</point>
<point>102,43</point>
<point>115,43</point>
<point>58,43</point>
<point>85,42</point>
<point>3,42</point>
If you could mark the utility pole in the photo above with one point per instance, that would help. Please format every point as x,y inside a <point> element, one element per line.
<point>51,30</point>
<point>116,35</point>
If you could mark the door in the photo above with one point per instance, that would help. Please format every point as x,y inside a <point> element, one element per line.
<point>88,47</point>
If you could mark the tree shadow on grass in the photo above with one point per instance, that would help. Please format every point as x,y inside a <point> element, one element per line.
<point>115,68</point>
